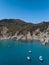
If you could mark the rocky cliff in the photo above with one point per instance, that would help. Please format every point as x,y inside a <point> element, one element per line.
<point>20,30</point>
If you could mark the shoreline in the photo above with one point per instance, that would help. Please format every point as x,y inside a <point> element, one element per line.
<point>20,30</point>
<point>36,35</point>
<point>44,42</point>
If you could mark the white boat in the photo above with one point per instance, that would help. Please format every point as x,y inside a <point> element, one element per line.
<point>41,58</point>
<point>28,58</point>
<point>30,51</point>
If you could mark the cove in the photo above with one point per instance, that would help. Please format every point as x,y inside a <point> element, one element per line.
<point>15,52</point>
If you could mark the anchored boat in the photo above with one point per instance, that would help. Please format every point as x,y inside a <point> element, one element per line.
<point>28,58</point>
<point>41,58</point>
<point>30,51</point>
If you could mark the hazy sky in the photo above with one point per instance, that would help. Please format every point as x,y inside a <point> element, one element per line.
<point>28,10</point>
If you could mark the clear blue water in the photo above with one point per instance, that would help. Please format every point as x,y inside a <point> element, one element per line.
<point>15,53</point>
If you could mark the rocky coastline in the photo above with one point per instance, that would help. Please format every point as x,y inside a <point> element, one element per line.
<point>19,30</point>
<point>42,36</point>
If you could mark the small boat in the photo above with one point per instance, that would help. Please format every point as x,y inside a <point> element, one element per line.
<point>30,51</point>
<point>28,58</point>
<point>41,58</point>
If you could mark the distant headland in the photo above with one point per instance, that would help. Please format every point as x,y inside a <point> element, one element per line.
<point>20,30</point>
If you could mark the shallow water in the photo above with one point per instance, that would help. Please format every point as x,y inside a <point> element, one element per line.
<point>15,53</point>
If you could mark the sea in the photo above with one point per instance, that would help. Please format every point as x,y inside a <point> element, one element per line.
<point>16,52</point>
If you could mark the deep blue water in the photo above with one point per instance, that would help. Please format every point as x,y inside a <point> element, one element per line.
<point>15,53</point>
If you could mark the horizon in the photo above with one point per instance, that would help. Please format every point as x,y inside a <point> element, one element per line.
<point>32,11</point>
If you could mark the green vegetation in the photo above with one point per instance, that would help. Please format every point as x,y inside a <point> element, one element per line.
<point>18,25</point>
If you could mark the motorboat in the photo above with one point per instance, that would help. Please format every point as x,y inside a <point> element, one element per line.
<point>28,58</point>
<point>41,58</point>
<point>30,51</point>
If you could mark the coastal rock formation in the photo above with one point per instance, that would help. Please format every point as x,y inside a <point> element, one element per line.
<point>29,37</point>
<point>35,37</point>
<point>21,30</point>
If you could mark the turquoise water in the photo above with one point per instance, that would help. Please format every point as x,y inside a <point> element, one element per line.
<point>15,53</point>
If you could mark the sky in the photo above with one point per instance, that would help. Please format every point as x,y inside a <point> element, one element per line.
<point>34,11</point>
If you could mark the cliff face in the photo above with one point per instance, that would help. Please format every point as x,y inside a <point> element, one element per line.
<point>18,29</point>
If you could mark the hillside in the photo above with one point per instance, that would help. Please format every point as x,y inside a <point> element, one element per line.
<point>15,25</point>
<point>18,25</point>
<point>21,30</point>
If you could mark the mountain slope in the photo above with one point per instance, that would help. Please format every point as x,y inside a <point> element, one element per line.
<point>14,25</point>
